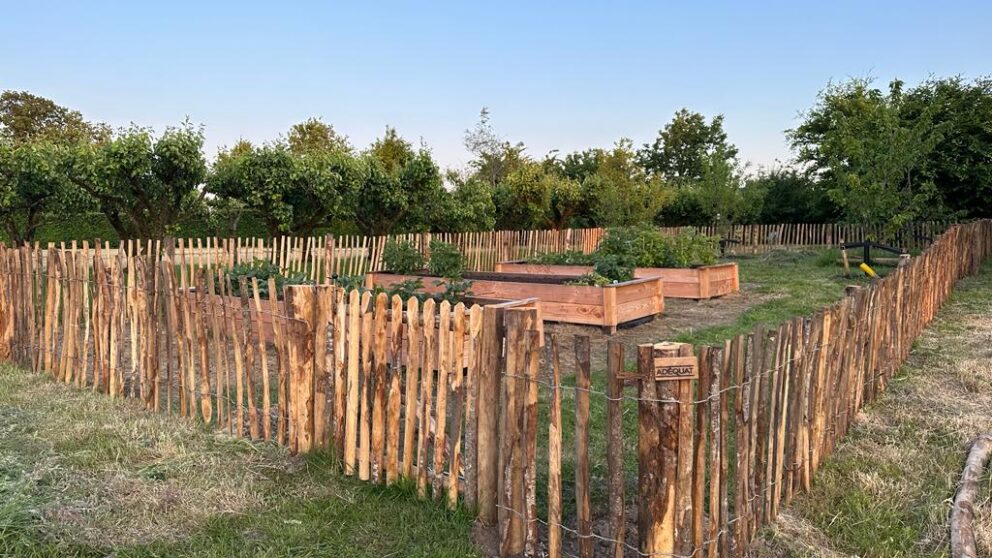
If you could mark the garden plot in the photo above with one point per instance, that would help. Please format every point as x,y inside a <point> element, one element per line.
<point>702,282</point>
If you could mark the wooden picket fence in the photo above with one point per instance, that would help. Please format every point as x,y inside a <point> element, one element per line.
<point>716,458</point>
<point>390,388</point>
<point>321,257</point>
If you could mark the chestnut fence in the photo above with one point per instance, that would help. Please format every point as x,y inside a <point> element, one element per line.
<point>687,453</point>
<point>321,257</point>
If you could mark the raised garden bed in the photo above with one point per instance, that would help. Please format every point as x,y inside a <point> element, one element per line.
<point>608,306</point>
<point>701,282</point>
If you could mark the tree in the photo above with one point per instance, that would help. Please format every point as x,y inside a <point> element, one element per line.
<point>33,187</point>
<point>468,206</point>
<point>26,117</point>
<point>35,134</point>
<point>142,183</point>
<point>870,158</point>
<point>403,190</point>
<point>787,195</point>
<point>720,189</point>
<point>960,163</point>
<point>313,135</point>
<point>495,158</point>
<point>685,147</point>
<point>616,190</point>
<point>293,192</point>
<point>531,197</point>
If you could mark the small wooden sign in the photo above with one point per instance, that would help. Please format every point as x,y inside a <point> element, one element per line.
<point>676,368</point>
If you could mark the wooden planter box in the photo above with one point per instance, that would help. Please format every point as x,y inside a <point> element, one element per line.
<point>606,307</point>
<point>707,281</point>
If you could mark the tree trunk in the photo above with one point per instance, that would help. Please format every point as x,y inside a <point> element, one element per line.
<point>963,513</point>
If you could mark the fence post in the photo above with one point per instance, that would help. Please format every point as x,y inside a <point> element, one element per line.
<point>7,308</point>
<point>516,462</point>
<point>300,310</point>
<point>614,445</point>
<point>488,413</point>
<point>659,413</point>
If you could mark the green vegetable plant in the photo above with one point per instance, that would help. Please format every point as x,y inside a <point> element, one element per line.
<point>446,261</point>
<point>263,270</point>
<point>570,257</point>
<point>624,248</point>
<point>591,279</point>
<point>455,290</point>
<point>402,257</point>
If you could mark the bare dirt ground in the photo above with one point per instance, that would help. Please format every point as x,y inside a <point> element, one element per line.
<point>680,316</point>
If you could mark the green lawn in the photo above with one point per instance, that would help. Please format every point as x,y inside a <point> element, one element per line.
<point>797,283</point>
<point>81,475</point>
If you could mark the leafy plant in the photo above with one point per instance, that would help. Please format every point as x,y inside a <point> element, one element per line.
<point>446,261</point>
<point>401,256</point>
<point>407,289</point>
<point>625,248</point>
<point>614,267</point>
<point>645,246</point>
<point>263,270</point>
<point>455,290</point>
<point>591,279</point>
<point>349,282</point>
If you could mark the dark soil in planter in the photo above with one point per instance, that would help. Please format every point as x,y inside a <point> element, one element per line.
<point>507,277</point>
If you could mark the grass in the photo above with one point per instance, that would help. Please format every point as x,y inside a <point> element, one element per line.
<point>887,490</point>
<point>81,475</point>
<point>794,283</point>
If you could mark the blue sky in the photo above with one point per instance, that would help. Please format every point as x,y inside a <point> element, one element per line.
<point>554,75</point>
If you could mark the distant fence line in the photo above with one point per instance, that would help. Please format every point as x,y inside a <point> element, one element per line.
<point>470,402</point>
<point>320,257</point>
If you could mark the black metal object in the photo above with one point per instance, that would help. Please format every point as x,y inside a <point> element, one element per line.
<point>723,245</point>
<point>867,245</point>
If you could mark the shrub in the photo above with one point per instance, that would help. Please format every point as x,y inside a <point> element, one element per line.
<point>401,256</point>
<point>446,261</point>
<point>263,270</point>
<point>645,246</point>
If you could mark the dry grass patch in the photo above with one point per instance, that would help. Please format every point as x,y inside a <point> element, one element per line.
<point>115,474</point>
<point>82,475</point>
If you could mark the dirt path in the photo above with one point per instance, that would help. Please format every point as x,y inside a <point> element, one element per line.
<point>887,491</point>
<point>681,315</point>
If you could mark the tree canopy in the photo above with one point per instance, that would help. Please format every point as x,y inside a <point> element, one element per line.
<point>862,154</point>
<point>143,183</point>
<point>403,189</point>
<point>295,192</point>
<point>857,141</point>
<point>36,135</point>
<point>686,146</point>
